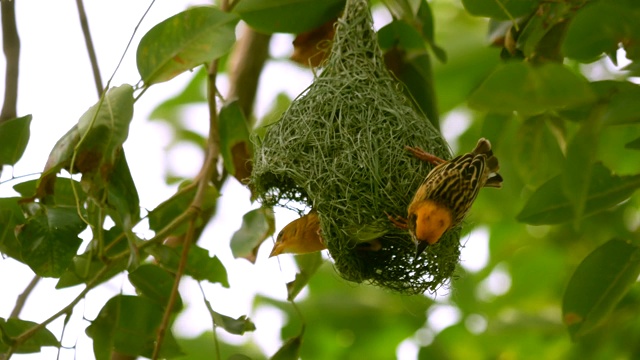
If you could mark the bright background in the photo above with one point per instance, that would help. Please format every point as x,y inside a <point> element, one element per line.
<point>506,302</point>
<point>56,87</point>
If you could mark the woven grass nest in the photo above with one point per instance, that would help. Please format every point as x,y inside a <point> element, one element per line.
<point>339,149</point>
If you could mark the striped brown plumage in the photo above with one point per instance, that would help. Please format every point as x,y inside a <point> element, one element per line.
<point>445,196</point>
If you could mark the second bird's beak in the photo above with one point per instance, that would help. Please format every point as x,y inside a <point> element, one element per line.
<point>277,250</point>
<point>420,247</point>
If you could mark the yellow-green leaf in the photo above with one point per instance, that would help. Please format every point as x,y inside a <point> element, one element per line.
<point>184,41</point>
<point>598,284</point>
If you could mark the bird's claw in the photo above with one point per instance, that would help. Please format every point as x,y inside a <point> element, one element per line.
<point>398,221</point>
<point>424,156</point>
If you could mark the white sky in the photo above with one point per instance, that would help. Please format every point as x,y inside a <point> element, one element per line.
<point>56,87</point>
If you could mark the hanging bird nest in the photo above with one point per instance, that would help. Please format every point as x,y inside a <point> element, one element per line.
<point>339,149</point>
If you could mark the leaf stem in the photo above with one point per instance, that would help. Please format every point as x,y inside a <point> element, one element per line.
<point>166,317</point>
<point>208,173</point>
<point>213,321</point>
<point>22,298</point>
<point>67,309</point>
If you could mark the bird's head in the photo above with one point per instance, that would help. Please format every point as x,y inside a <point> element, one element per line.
<point>427,222</point>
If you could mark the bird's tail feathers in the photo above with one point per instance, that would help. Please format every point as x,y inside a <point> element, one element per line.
<point>493,165</point>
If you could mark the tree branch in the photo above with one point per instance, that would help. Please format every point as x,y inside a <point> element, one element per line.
<point>22,298</point>
<point>90,48</point>
<point>29,333</point>
<point>208,172</point>
<point>246,63</point>
<point>11,47</point>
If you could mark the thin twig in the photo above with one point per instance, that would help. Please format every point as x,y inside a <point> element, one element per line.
<point>22,298</point>
<point>213,143</point>
<point>135,30</point>
<point>11,47</point>
<point>84,24</point>
<point>29,333</point>
<point>207,303</point>
<point>166,317</point>
<point>189,214</point>
<point>64,328</point>
<point>208,172</point>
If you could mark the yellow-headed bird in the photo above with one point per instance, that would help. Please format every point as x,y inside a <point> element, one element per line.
<point>300,236</point>
<point>446,194</point>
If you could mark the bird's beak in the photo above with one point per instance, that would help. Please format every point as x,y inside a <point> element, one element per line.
<point>277,250</point>
<point>420,247</point>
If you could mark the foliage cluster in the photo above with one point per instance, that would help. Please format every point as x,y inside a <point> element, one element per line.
<point>564,230</point>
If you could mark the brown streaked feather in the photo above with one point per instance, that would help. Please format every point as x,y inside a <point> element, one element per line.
<point>447,192</point>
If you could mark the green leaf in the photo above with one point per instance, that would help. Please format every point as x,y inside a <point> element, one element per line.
<point>13,327</point>
<point>123,195</point>
<point>63,191</point>
<point>287,16</point>
<point>624,107</point>
<point>537,155</point>
<point>104,128</point>
<point>129,325</point>
<point>400,33</point>
<point>11,216</point>
<point>14,136</point>
<point>500,9</point>
<point>598,284</point>
<point>549,205</point>
<point>155,283</point>
<point>85,267</point>
<point>184,41</point>
<point>200,265</point>
<point>401,9</point>
<point>290,350</point>
<point>166,212</point>
<point>59,157</point>
<point>170,110</point>
<point>581,154</point>
<point>416,74</point>
<point>98,137</point>
<point>614,96</point>
<point>406,57</point>
<point>424,19</point>
<point>308,265</point>
<point>49,239</point>
<point>418,16</point>
<point>466,68</point>
<point>530,89</point>
<point>635,144</point>
<point>257,226</point>
<point>233,326</point>
<point>235,146</point>
<point>606,24</point>
<point>541,38</point>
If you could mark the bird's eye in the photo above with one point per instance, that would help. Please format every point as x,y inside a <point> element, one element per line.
<point>279,236</point>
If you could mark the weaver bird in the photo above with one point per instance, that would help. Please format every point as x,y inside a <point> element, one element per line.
<point>446,194</point>
<point>302,236</point>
